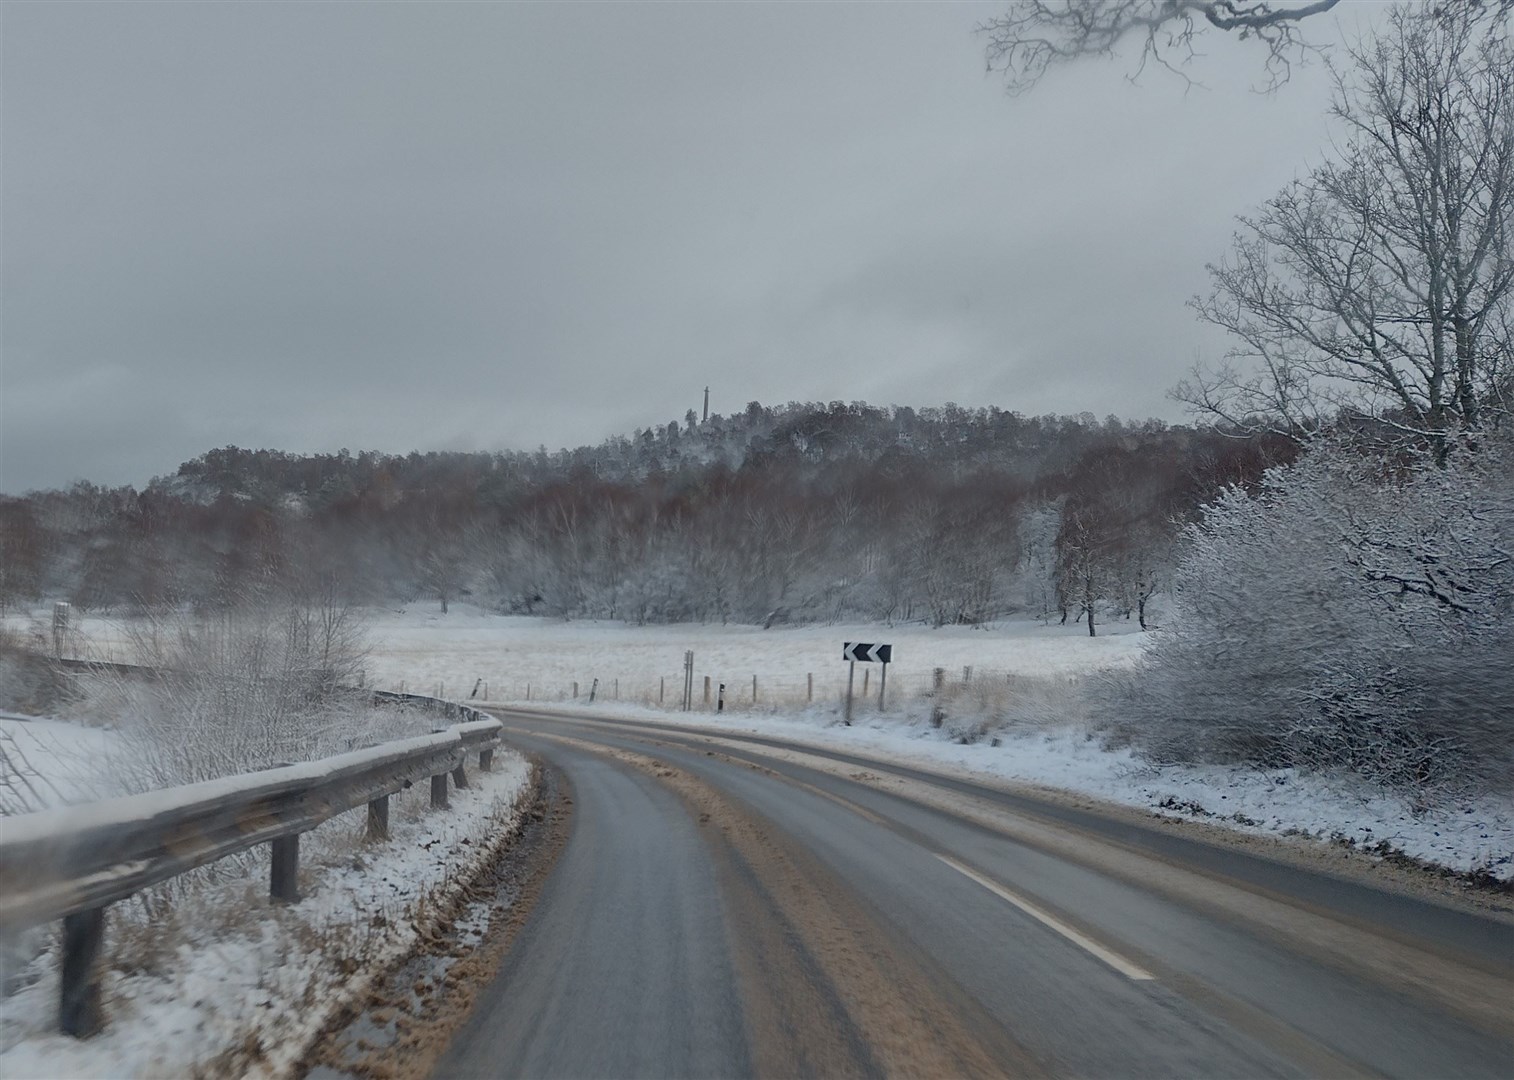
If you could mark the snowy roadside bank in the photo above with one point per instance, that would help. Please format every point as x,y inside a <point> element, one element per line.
<point>228,984</point>
<point>1470,837</point>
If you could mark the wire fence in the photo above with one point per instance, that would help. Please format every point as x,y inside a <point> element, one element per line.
<point>759,691</point>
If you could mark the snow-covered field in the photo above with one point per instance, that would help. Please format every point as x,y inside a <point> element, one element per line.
<point>232,968</point>
<point>425,649</point>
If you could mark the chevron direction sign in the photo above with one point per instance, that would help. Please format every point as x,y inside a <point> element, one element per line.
<point>867,653</point>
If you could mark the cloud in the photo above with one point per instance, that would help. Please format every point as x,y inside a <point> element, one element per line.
<point>401,226</point>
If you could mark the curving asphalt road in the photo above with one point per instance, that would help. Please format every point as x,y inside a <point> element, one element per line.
<point>729,906</point>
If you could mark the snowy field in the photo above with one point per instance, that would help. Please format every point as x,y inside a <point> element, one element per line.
<point>425,649</point>
<point>231,969</point>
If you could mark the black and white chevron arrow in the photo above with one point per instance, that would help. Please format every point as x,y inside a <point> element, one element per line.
<point>867,653</point>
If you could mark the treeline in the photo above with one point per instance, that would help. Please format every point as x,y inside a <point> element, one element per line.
<point>794,513</point>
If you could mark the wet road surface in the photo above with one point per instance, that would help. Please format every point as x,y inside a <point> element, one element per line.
<point>724,905</point>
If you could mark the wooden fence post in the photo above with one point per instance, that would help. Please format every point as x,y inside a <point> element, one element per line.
<point>754,689</point>
<point>79,1012</point>
<point>809,693</point>
<point>284,879</point>
<point>866,674</point>
<point>707,691</point>
<point>662,685</point>
<point>378,818</point>
<point>938,682</point>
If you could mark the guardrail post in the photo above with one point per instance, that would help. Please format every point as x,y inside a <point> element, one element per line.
<point>439,792</point>
<point>378,818</point>
<point>460,774</point>
<point>79,1012</point>
<point>486,759</point>
<point>284,880</point>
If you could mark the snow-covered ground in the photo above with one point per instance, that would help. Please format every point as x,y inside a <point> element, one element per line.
<point>231,967</point>
<point>425,649</point>
<point>1023,663</point>
<point>48,763</point>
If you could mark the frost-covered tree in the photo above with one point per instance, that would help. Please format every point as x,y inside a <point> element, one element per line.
<point>1354,615</point>
<point>1379,286</point>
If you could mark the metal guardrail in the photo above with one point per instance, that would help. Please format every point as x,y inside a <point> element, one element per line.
<point>71,863</point>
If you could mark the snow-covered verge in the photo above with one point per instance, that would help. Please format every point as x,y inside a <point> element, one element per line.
<point>1470,837</point>
<point>224,982</point>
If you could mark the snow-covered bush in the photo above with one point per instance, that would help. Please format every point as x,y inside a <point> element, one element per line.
<point>1354,614</point>
<point>242,688</point>
<point>29,681</point>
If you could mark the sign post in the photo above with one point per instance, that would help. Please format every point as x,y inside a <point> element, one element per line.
<point>867,652</point>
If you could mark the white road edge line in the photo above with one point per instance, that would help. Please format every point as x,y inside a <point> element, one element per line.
<point>1113,959</point>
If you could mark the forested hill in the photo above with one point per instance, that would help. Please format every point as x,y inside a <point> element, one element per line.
<point>798,512</point>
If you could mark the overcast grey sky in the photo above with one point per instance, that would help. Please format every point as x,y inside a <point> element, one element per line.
<point>478,226</point>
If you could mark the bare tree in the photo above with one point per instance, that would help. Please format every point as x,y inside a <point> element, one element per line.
<point>1379,286</point>
<point>1035,34</point>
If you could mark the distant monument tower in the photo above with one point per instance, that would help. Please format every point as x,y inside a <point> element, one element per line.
<point>706,415</point>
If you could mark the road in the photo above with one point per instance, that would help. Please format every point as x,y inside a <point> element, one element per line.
<point>730,906</point>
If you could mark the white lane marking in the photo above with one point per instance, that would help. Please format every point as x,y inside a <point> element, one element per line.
<point>1113,959</point>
